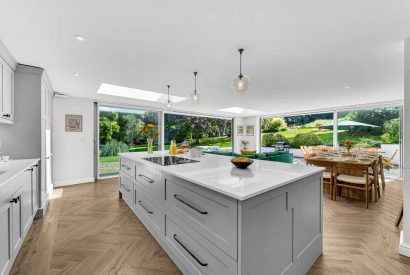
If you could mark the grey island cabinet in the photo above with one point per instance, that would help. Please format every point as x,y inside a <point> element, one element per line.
<point>212,218</point>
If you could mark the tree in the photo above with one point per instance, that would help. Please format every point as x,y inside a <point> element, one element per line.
<point>131,127</point>
<point>108,126</point>
<point>391,129</point>
<point>273,125</point>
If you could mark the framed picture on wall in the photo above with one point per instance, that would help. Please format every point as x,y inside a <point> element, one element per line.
<point>73,123</point>
<point>250,130</point>
<point>240,130</point>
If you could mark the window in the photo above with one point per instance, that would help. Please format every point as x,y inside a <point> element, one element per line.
<point>197,130</point>
<point>377,129</point>
<point>296,131</point>
<point>119,132</point>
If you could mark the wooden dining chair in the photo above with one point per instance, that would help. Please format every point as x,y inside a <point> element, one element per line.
<point>362,182</point>
<point>328,174</point>
<point>306,153</point>
<point>387,162</point>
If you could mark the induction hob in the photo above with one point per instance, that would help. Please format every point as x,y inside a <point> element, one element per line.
<point>169,160</point>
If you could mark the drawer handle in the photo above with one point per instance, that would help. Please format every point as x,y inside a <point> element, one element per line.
<point>178,198</point>
<point>125,166</point>
<point>145,178</point>
<point>189,252</point>
<point>149,212</point>
<point>128,190</point>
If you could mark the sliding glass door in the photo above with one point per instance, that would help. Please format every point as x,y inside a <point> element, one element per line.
<point>119,131</point>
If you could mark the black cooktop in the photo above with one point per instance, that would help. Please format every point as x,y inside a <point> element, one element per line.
<point>169,160</point>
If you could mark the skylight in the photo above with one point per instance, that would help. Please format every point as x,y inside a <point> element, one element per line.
<point>114,90</point>
<point>240,111</point>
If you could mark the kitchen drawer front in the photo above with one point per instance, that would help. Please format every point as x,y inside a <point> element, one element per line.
<point>150,179</point>
<point>213,215</point>
<point>149,208</point>
<point>126,188</point>
<point>197,254</point>
<point>128,167</point>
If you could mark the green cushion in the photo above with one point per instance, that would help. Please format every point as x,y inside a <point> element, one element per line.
<point>286,158</point>
<point>208,152</point>
<point>224,153</point>
<point>260,155</point>
<point>271,154</point>
<point>283,152</point>
<point>246,156</point>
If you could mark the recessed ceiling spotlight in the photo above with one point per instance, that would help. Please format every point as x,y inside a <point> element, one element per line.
<point>347,87</point>
<point>79,37</point>
<point>76,74</point>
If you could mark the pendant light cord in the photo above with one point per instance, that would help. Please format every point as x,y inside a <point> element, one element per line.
<point>195,81</point>
<point>168,92</point>
<point>240,63</point>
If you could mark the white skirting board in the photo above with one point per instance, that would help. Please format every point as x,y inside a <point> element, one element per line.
<point>404,249</point>
<point>72,182</point>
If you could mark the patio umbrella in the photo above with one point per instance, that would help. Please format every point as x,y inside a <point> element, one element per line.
<point>348,125</point>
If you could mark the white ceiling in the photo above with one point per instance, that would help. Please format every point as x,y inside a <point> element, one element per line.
<point>302,52</point>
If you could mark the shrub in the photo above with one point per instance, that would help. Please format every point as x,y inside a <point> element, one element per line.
<point>391,129</point>
<point>270,139</point>
<point>305,140</point>
<point>112,148</point>
<point>367,142</point>
<point>318,123</point>
<point>273,125</point>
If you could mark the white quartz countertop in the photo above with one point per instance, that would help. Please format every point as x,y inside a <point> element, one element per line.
<point>218,173</point>
<point>12,168</point>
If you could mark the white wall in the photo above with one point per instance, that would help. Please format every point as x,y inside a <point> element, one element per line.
<point>73,151</point>
<point>253,140</point>
<point>405,237</point>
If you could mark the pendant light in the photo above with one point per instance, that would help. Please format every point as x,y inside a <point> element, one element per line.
<point>240,84</point>
<point>195,97</point>
<point>168,106</point>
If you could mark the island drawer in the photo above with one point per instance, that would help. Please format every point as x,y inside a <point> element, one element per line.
<point>148,208</point>
<point>127,166</point>
<point>198,255</point>
<point>213,215</point>
<point>150,179</point>
<point>126,188</point>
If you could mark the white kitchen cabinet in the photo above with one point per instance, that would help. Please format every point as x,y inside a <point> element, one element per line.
<point>5,233</point>
<point>16,221</point>
<point>8,93</point>
<point>27,199</point>
<point>17,210</point>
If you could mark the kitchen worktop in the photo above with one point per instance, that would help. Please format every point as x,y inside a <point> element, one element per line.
<point>12,168</point>
<point>217,173</point>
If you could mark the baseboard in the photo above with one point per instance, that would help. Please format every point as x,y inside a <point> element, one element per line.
<point>72,182</point>
<point>404,249</point>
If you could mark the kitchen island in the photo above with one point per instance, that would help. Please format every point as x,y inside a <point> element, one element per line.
<point>212,218</point>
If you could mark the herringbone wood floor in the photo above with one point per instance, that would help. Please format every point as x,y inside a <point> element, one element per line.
<point>88,230</point>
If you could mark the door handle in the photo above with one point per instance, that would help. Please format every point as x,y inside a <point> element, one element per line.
<point>178,198</point>
<point>125,166</point>
<point>189,252</point>
<point>146,178</point>
<point>14,200</point>
<point>143,206</point>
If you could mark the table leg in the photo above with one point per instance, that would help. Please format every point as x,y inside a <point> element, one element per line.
<point>381,171</point>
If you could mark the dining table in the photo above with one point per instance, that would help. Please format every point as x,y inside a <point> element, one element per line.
<point>329,160</point>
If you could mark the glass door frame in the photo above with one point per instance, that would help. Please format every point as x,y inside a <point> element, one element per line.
<point>96,139</point>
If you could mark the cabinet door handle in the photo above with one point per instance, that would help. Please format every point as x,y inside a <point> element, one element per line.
<point>143,206</point>
<point>125,166</point>
<point>179,198</point>
<point>189,252</point>
<point>128,190</point>
<point>7,115</point>
<point>14,200</point>
<point>146,178</point>
<point>30,169</point>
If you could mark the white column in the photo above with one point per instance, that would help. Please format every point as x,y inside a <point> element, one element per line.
<point>335,133</point>
<point>404,248</point>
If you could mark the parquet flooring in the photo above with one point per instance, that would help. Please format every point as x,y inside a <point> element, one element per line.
<point>88,230</point>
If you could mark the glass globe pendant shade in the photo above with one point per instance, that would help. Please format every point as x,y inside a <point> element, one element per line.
<point>195,98</point>
<point>168,106</point>
<point>240,85</point>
